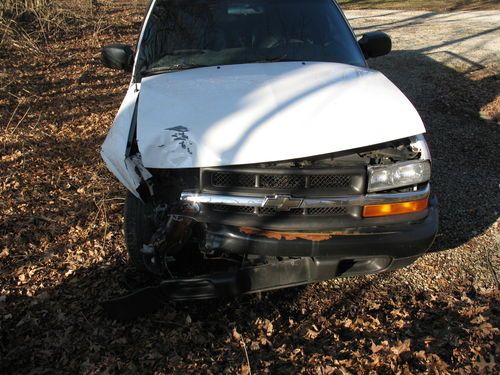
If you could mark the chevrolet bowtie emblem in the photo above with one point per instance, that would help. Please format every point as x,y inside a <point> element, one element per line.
<point>282,202</point>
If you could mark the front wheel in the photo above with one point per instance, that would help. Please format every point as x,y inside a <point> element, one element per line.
<point>138,228</point>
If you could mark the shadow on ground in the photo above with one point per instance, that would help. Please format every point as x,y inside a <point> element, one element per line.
<point>357,325</point>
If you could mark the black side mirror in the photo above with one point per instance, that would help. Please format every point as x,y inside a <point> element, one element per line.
<point>375,43</point>
<point>118,56</point>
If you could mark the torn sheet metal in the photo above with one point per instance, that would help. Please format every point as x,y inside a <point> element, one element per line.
<point>114,148</point>
<point>252,113</point>
<point>136,170</point>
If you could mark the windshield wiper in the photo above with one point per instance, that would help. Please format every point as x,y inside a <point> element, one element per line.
<point>275,59</point>
<point>171,68</point>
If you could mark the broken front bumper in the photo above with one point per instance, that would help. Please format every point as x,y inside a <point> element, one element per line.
<point>393,241</point>
<point>278,275</point>
<point>369,250</point>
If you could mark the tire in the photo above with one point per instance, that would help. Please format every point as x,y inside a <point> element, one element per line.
<point>138,228</point>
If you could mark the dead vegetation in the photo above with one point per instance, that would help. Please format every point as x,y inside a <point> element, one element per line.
<point>29,23</point>
<point>62,252</point>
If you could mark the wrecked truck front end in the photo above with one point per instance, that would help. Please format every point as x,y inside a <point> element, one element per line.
<point>313,219</point>
<point>229,230</point>
<point>268,160</point>
<point>225,231</point>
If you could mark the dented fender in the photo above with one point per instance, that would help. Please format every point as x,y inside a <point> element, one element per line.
<point>114,148</point>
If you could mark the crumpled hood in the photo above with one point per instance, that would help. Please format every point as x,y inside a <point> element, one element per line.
<point>252,113</point>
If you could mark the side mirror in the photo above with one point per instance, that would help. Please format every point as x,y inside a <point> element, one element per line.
<point>118,56</point>
<point>375,43</point>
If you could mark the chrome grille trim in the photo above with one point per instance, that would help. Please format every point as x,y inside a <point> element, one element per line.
<point>321,202</point>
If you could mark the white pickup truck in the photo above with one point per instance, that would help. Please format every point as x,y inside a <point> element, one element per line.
<point>261,152</point>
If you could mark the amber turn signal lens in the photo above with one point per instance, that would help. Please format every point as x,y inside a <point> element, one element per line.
<point>395,208</point>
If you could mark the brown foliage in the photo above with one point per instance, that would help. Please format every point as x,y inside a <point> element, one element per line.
<point>26,23</point>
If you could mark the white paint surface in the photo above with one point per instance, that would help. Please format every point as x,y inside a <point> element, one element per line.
<point>115,145</point>
<point>251,113</point>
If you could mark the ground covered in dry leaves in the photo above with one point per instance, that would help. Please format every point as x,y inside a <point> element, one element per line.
<point>62,251</point>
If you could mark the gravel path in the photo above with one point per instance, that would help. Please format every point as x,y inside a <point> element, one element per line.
<point>469,40</point>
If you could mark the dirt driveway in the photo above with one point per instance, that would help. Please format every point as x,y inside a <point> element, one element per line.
<point>61,246</point>
<point>464,40</point>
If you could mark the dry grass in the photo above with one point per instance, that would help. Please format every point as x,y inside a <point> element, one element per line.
<point>24,24</point>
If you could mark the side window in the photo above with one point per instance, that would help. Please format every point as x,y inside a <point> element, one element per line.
<point>340,36</point>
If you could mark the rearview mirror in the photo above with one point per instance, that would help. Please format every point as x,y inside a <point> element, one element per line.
<point>118,56</point>
<point>375,43</point>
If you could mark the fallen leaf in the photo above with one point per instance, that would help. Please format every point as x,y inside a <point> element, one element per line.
<point>268,326</point>
<point>401,347</point>
<point>483,364</point>
<point>479,319</point>
<point>236,335</point>
<point>245,370</point>
<point>310,334</point>
<point>377,348</point>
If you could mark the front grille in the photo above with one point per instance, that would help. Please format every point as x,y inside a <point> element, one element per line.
<point>327,211</point>
<point>266,181</point>
<point>270,211</point>
<point>282,181</point>
<point>232,209</point>
<point>233,179</point>
<point>329,181</point>
<point>292,181</point>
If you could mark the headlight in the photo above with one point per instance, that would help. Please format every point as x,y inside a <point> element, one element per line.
<point>385,177</point>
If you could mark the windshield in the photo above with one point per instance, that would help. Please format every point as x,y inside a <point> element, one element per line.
<point>182,34</point>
